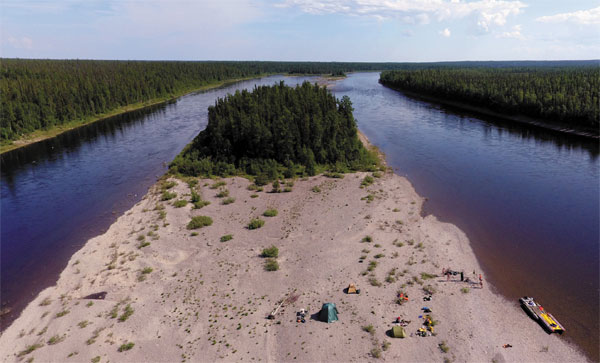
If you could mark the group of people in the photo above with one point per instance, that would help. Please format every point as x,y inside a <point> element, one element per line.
<point>448,272</point>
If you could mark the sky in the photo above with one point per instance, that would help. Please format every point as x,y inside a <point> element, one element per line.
<point>301,30</point>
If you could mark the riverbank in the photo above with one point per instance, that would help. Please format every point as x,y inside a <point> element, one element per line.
<point>179,294</point>
<point>40,135</point>
<point>564,128</point>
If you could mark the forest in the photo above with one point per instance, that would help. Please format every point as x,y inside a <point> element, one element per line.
<point>561,94</point>
<point>38,94</point>
<point>277,129</point>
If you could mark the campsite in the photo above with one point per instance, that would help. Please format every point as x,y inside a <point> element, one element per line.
<point>188,295</point>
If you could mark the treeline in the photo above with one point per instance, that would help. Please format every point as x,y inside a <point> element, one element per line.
<point>38,94</point>
<point>567,95</point>
<point>276,129</point>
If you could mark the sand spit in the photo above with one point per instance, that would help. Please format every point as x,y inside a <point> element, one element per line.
<point>185,297</point>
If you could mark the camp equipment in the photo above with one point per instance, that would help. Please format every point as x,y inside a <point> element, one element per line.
<point>398,332</point>
<point>352,289</point>
<point>328,313</point>
<point>537,313</point>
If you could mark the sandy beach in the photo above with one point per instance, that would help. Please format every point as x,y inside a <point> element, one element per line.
<point>183,295</point>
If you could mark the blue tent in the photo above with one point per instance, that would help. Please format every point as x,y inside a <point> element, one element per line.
<point>328,313</point>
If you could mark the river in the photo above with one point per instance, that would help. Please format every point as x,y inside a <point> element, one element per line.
<point>527,198</point>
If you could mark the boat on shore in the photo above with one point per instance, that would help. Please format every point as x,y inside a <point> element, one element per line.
<point>544,318</point>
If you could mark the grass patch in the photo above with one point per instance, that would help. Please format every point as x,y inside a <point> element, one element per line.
<point>368,180</point>
<point>56,339</point>
<point>270,252</point>
<point>45,302</point>
<point>367,239</point>
<point>372,265</point>
<point>379,255</point>
<point>465,290</point>
<point>228,200</point>
<point>168,184</point>
<point>180,203</point>
<point>374,282</point>
<point>199,222</point>
<point>143,244</point>
<point>256,223</point>
<point>62,313</point>
<point>166,195</point>
<point>218,184</point>
<point>271,264</point>
<point>227,237</point>
<point>29,349</point>
<point>369,329</point>
<point>126,346</point>
<point>254,196</point>
<point>270,213</point>
<point>83,324</point>
<point>376,352</point>
<point>426,276</point>
<point>316,189</point>
<point>223,193</point>
<point>444,347</point>
<point>128,309</point>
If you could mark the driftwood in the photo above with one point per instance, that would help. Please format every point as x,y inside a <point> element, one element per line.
<point>289,300</point>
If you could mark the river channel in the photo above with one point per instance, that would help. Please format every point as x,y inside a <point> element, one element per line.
<point>527,198</point>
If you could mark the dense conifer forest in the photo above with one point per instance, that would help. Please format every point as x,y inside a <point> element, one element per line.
<point>567,95</point>
<point>41,94</point>
<point>277,129</point>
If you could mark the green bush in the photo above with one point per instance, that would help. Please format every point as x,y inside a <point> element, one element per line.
<point>168,184</point>
<point>256,223</point>
<point>223,193</point>
<point>270,252</point>
<point>271,264</point>
<point>368,180</point>
<point>367,239</point>
<point>199,222</point>
<point>180,203</point>
<point>126,346</point>
<point>227,237</point>
<point>201,204</point>
<point>270,213</point>
<point>166,195</point>
<point>228,200</point>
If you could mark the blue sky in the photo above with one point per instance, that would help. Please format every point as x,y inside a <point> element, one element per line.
<point>317,30</point>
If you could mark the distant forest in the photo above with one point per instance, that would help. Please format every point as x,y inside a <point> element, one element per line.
<point>276,129</point>
<point>40,94</point>
<point>566,94</point>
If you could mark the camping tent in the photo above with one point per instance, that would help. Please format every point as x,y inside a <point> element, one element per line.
<point>398,332</point>
<point>328,313</point>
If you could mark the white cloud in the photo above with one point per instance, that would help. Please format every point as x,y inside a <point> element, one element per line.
<point>487,13</point>
<point>515,33</point>
<point>584,17</point>
<point>445,33</point>
<point>20,43</point>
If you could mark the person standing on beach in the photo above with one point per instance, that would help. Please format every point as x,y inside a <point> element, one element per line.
<point>480,281</point>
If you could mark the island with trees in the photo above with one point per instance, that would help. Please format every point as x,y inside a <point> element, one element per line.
<point>277,129</point>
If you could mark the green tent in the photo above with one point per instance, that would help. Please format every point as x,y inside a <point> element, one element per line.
<point>328,313</point>
<point>398,332</point>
